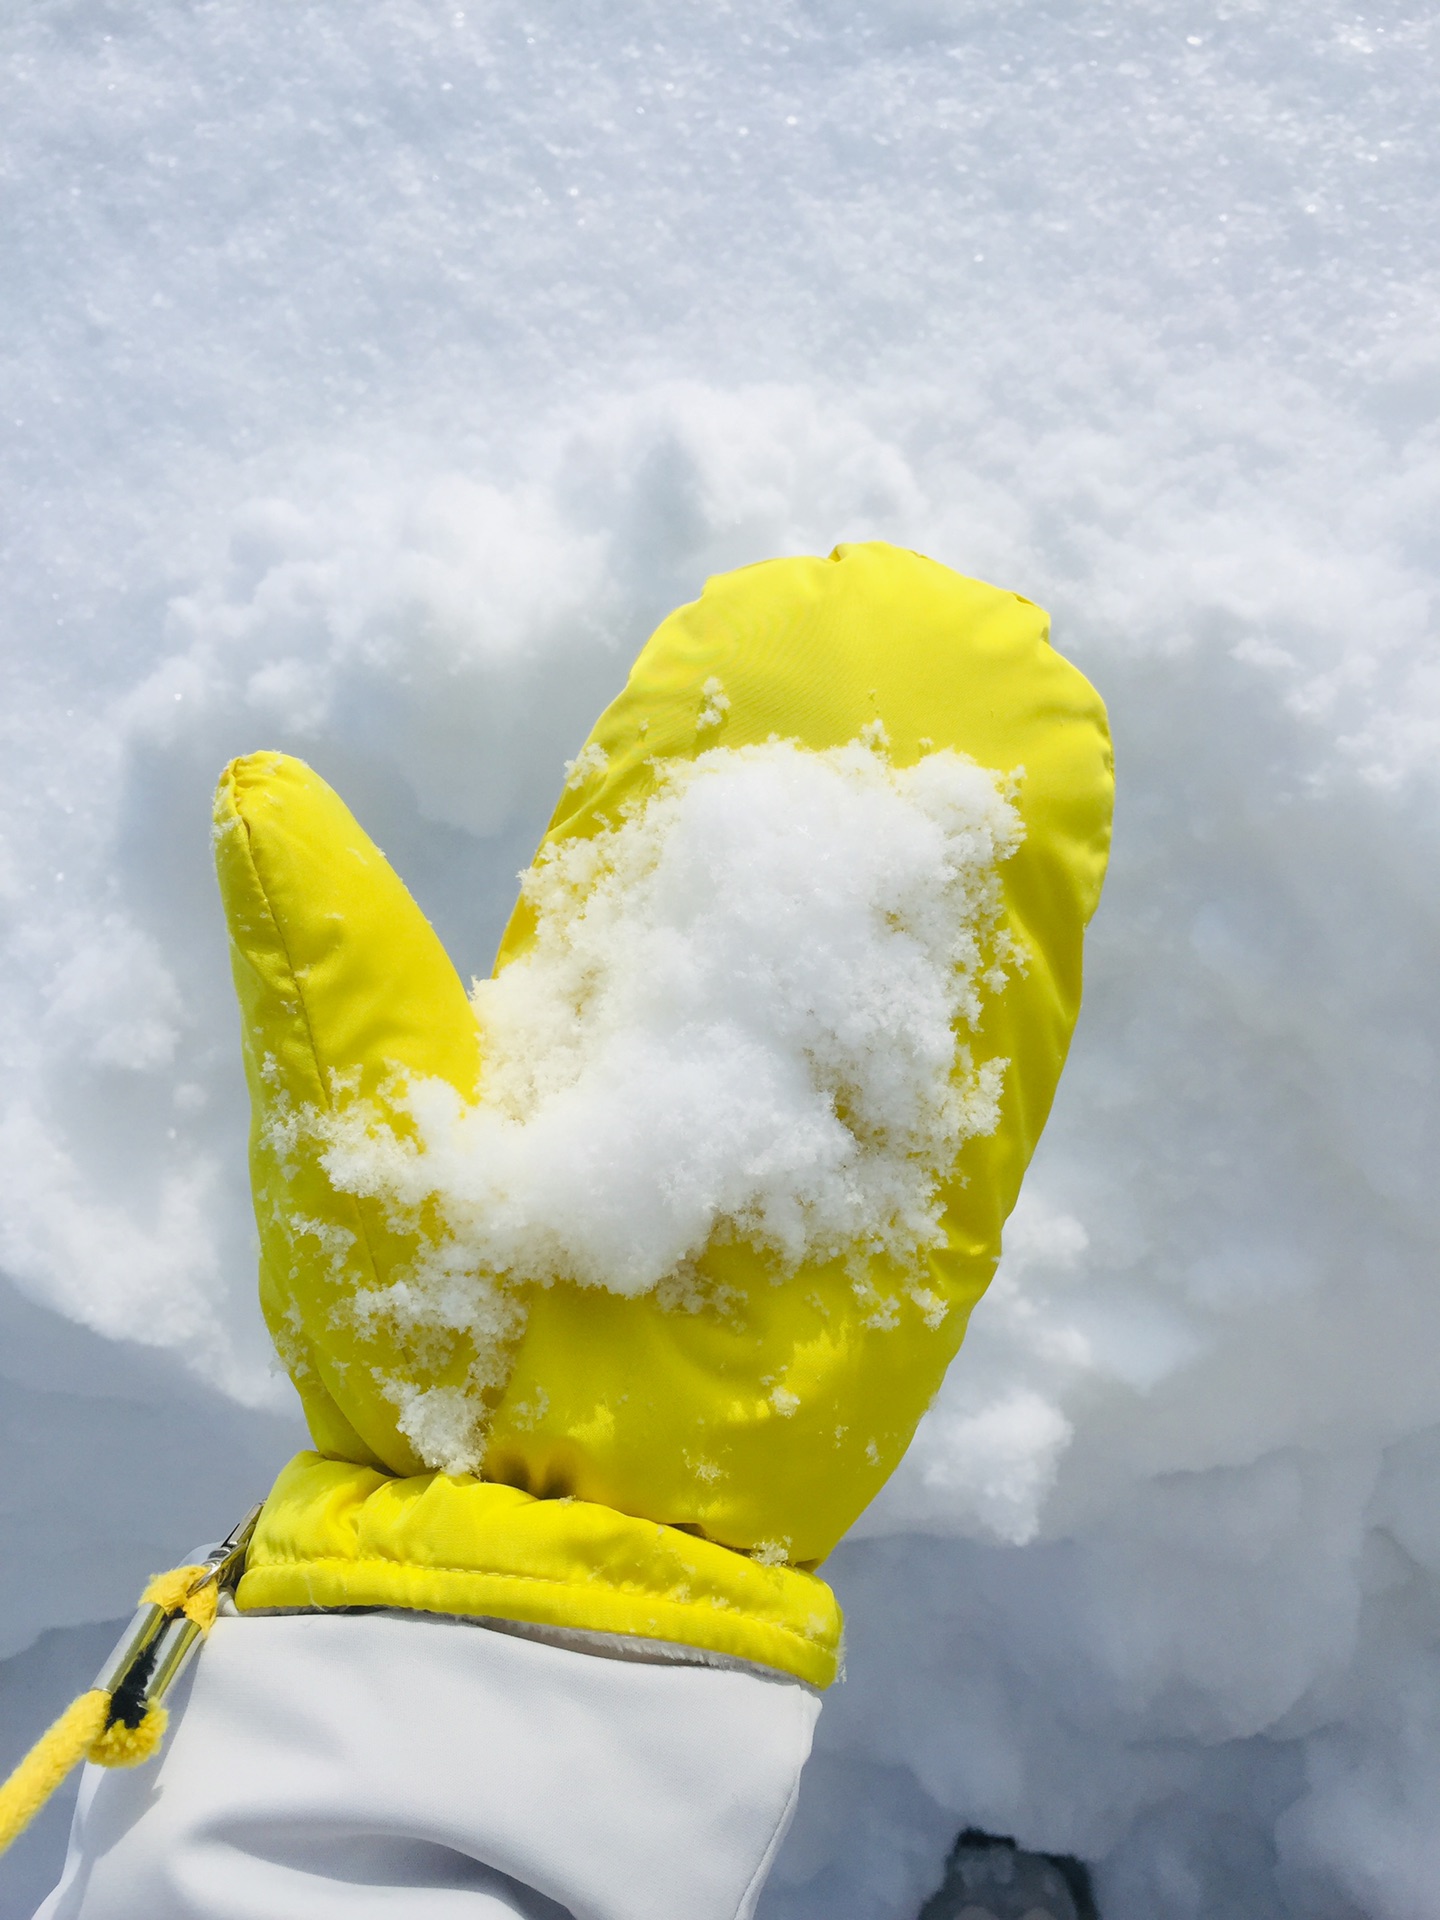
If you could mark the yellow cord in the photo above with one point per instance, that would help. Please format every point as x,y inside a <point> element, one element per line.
<point>177,1592</point>
<point>49,1760</point>
<point>85,1731</point>
<point>122,1746</point>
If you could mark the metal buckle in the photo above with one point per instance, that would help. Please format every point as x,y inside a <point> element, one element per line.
<point>158,1645</point>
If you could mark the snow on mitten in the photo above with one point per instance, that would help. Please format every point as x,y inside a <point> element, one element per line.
<point>614,1291</point>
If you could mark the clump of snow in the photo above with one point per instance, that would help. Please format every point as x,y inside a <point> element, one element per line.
<point>590,761</point>
<point>715,703</point>
<point>744,1013</point>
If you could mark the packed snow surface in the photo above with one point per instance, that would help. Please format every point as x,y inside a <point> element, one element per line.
<point>374,379</point>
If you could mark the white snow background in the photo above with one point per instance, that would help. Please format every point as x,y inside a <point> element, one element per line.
<point>374,377</point>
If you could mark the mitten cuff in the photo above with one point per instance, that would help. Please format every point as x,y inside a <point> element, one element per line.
<point>333,1534</point>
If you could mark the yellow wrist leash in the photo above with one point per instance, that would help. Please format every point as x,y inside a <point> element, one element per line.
<point>120,1721</point>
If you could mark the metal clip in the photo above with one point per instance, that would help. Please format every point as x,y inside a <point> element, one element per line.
<point>157,1646</point>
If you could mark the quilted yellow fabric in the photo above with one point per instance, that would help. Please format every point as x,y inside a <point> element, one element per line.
<point>588,1512</point>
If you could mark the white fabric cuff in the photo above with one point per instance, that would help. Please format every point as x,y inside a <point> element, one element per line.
<point>395,1766</point>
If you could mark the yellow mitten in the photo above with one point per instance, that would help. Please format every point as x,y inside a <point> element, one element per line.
<point>615,1295</point>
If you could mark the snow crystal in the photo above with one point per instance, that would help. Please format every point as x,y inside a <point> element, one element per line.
<point>587,764</point>
<point>716,703</point>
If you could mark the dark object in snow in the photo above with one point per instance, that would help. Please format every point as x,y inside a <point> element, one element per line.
<point>987,1877</point>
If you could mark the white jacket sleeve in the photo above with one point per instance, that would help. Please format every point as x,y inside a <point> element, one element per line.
<point>395,1766</point>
